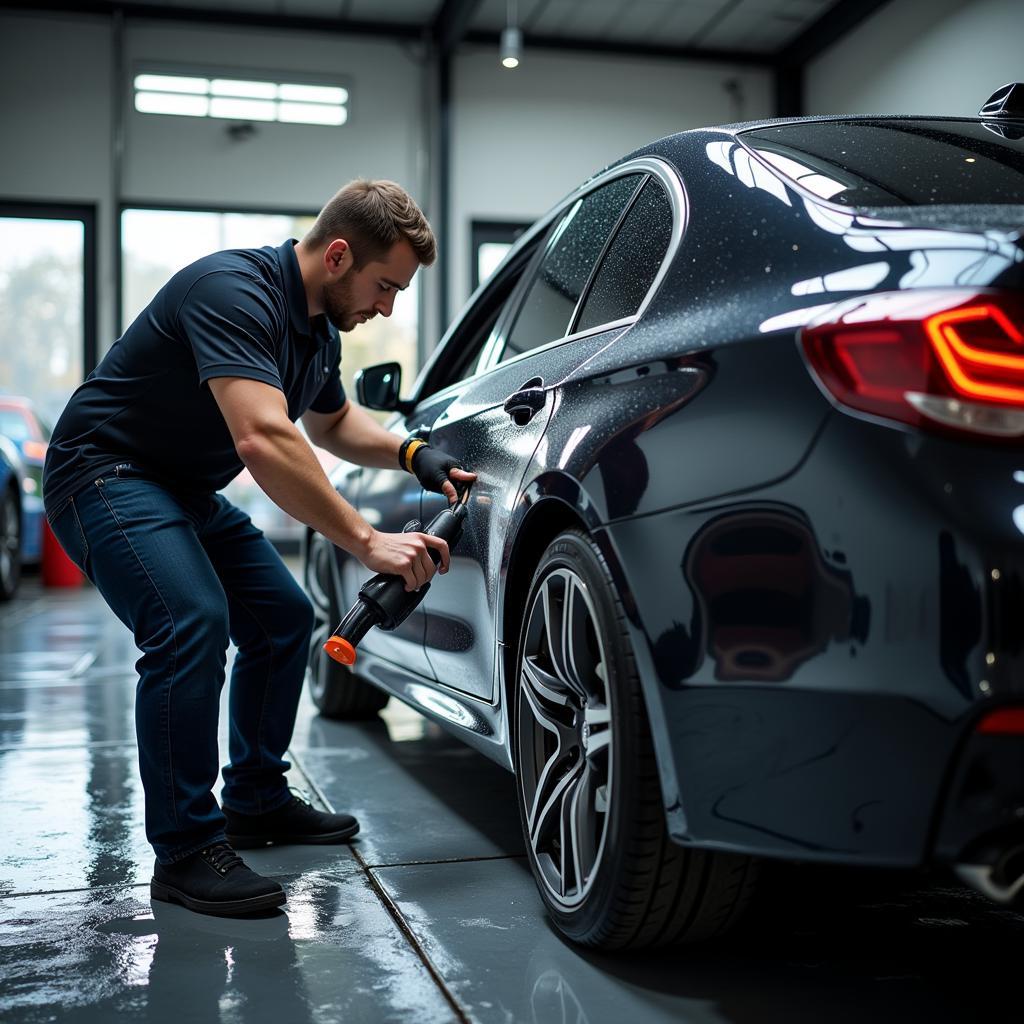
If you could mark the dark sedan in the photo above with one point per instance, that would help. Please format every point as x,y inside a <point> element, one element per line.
<point>743,574</point>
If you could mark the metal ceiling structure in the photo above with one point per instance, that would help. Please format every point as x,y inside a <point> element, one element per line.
<point>779,35</point>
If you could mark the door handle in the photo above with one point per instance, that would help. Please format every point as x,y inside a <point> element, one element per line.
<point>525,403</point>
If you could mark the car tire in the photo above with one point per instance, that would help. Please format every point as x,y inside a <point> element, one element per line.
<point>587,780</point>
<point>336,690</point>
<point>10,544</point>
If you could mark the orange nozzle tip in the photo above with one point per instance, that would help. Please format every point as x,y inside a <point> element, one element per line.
<point>340,650</point>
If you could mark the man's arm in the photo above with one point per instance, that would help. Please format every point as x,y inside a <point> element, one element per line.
<point>284,466</point>
<point>353,434</point>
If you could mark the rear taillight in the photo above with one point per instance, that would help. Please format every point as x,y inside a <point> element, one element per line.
<point>945,360</point>
<point>1004,722</point>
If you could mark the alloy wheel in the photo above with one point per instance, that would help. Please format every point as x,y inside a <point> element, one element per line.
<point>10,542</point>
<point>565,737</point>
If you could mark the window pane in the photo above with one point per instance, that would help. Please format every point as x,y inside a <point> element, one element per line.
<point>41,312</point>
<point>488,258</point>
<point>572,252</point>
<point>157,243</point>
<point>632,261</point>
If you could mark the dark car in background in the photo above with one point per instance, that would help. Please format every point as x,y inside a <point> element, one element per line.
<point>22,424</point>
<point>743,574</point>
<point>12,516</point>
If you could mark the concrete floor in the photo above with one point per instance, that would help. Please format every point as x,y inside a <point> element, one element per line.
<point>430,916</point>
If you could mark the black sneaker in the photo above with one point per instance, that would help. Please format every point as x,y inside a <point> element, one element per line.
<point>296,822</point>
<point>215,881</point>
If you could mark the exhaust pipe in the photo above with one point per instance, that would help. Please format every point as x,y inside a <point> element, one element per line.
<point>999,874</point>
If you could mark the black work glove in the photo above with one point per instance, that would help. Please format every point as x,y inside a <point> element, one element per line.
<point>431,466</point>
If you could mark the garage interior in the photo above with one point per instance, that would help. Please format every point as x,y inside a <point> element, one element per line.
<point>432,914</point>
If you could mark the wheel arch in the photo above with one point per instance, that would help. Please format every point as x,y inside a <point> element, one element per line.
<point>550,504</point>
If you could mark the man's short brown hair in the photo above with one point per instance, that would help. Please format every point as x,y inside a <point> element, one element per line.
<point>372,216</point>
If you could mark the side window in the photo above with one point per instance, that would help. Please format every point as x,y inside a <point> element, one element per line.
<point>632,261</point>
<point>468,346</point>
<point>573,249</point>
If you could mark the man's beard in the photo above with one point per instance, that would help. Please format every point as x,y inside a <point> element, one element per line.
<point>338,305</point>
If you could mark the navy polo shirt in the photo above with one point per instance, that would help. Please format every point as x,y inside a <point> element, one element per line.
<point>240,313</point>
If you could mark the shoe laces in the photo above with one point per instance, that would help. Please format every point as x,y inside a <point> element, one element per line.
<point>221,858</point>
<point>301,796</point>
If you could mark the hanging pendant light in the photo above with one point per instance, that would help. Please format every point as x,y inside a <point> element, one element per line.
<point>511,39</point>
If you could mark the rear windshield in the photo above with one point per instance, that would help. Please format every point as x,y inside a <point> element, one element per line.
<point>899,162</point>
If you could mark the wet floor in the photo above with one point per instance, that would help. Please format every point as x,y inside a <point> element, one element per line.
<point>431,915</point>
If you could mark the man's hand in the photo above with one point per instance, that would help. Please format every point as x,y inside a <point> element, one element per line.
<point>405,555</point>
<point>436,470</point>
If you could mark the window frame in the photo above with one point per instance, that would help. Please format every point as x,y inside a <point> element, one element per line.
<point>552,239</point>
<point>649,168</point>
<point>483,231</point>
<point>531,248</point>
<point>521,263</point>
<point>86,213</point>
<point>581,305</point>
<point>164,207</point>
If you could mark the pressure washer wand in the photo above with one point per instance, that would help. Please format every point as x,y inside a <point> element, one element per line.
<point>383,600</point>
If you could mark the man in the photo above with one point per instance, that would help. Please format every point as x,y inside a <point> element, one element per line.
<point>210,378</point>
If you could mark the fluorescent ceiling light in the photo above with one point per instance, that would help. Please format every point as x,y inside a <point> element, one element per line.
<point>238,99</point>
<point>168,103</point>
<point>242,110</point>
<point>237,87</point>
<point>313,93</point>
<point>172,83</point>
<point>311,113</point>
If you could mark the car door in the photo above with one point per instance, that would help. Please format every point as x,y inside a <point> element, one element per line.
<point>388,500</point>
<point>494,421</point>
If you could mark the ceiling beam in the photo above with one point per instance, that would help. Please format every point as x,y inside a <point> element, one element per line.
<point>452,23</point>
<point>611,49</point>
<point>838,21</point>
<point>791,61</point>
<point>215,16</point>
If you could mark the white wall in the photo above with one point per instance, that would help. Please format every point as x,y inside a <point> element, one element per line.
<point>288,165</point>
<point>56,123</point>
<point>939,57</point>
<point>522,139</point>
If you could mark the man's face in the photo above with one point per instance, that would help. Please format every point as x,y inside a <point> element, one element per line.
<point>359,295</point>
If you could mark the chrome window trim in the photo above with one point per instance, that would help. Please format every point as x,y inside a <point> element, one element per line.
<point>621,325</point>
<point>666,175</point>
<point>654,167</point>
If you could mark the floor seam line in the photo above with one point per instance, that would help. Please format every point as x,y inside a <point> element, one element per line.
<point>389,904</point>
<point>447,860</point>
<point>64,892</point>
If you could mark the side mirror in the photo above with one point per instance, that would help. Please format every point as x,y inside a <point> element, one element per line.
<point>378,387</point>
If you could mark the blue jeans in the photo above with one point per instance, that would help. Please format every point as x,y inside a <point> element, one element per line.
<point>187,572</point>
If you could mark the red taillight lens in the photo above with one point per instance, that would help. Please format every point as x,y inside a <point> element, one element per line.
<point>1004,722</point>
<point>940,359</point>
<point>35,449</point>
